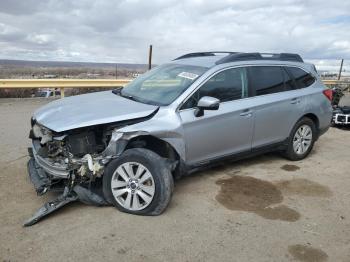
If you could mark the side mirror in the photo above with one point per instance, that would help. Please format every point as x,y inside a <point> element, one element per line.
<point>206,103</point>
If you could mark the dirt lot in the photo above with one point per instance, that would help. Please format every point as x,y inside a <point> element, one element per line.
<point>262,209</point>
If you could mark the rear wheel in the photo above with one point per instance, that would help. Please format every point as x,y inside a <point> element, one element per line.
<point>138,182</point>
<point>301,139</point>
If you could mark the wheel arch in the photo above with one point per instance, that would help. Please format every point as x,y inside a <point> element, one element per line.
<point>155,144</point>
<point>162,148</point>
<point>314,118</point>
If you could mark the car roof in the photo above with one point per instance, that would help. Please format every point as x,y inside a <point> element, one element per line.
<point>210,62</point>
<point>205,61</point>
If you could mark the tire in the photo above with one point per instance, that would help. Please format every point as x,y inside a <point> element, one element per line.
<point>147,192</point>
<point>305,124</point>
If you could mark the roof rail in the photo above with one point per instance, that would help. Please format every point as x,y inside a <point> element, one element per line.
<point>200,54</point>
<point>259,56</point>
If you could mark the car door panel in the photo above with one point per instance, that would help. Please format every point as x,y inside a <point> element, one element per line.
<point>225,131</point>
<point>275,115</point>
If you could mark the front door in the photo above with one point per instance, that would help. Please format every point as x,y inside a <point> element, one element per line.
<point>221,132</point>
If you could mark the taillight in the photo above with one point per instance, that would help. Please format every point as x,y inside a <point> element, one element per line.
<point>328,93</point>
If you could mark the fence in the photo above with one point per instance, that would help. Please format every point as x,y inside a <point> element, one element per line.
<point>100,83</point>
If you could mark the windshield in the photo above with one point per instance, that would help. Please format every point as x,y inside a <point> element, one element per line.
<point>163,84</point>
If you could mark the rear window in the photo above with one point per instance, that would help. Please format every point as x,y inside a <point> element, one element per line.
<point>302,78</point>
<point>266,79</point>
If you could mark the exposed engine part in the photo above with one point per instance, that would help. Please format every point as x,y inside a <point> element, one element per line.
<point>90,164</point>
<point>54,148</point>
<point>81,144</point>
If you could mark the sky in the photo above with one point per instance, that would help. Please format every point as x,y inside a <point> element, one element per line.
<point>121,31</point>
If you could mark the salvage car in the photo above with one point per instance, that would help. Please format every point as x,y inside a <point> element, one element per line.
<point>125,147</point>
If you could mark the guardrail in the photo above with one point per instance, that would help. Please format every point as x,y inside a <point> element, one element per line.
<point>62,83</point>
<point>103,83</point>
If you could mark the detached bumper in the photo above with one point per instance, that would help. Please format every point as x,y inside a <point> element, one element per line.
<point>38,177</point>
<point>41,180</point>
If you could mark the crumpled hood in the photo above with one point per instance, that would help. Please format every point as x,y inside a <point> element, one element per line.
<point>90,109</point>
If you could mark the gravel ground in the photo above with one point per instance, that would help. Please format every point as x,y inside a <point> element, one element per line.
<point>262,209</point>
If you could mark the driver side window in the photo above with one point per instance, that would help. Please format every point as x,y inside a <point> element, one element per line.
<point>228,85</point>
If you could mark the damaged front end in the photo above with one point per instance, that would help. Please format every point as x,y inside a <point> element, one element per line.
<point>71,162</point>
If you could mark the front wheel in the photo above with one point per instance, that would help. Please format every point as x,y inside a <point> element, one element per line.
<point>138,182</point>
<point>301,139</point>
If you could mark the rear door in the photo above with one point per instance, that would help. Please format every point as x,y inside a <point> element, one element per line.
<point>278,104</point>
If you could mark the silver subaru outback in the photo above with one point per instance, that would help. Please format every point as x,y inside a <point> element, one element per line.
<point>124,147</point>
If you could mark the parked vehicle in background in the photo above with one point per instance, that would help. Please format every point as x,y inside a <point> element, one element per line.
<point>341,114</point>
<point>177,118</point>
<point>47,93</point>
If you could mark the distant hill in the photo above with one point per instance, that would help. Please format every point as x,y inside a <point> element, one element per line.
<point>25,63</point>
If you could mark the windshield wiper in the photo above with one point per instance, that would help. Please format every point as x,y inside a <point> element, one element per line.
<point>119,93</point>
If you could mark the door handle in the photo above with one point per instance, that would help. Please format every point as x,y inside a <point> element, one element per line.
<point>246,112</point>
<point>295,101</point>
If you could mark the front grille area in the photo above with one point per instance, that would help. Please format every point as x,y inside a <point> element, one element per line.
<point>51,167</point>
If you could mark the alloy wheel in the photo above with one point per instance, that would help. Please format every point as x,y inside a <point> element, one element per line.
<point>302,139</point>
<point>133,186</point>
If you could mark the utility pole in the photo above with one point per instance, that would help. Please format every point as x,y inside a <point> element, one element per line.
<point>150,58</point>
<point>341,69</point>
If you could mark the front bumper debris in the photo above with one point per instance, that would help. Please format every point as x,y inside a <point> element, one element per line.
<point>42,182</point>
<point>51,206</point>
<point>38,177</point>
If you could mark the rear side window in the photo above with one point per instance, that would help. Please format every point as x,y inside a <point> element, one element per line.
<point>302,78</point>
<point>266,79</point>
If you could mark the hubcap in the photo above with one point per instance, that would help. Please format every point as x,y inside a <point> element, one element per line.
<point>302,139</point>
<point>133,186</point>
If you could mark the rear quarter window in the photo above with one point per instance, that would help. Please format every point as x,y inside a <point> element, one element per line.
<point>302,78</point>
